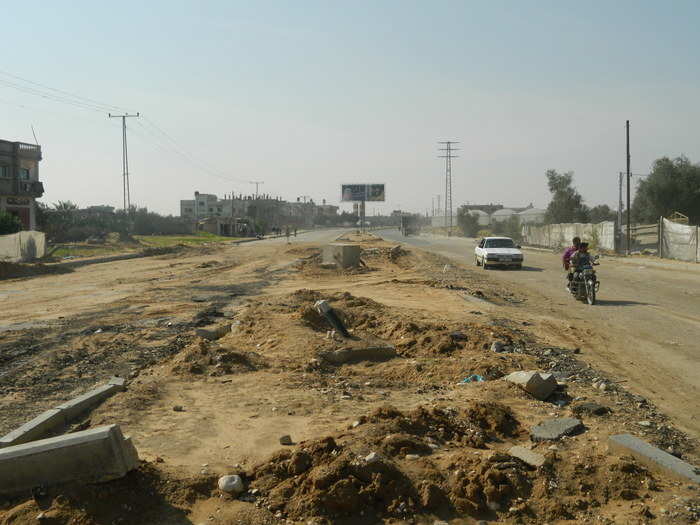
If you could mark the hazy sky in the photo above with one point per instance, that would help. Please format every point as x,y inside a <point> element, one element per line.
<point>306,95</point>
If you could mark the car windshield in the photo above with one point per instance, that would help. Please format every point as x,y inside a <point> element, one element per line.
<point>499,243</point>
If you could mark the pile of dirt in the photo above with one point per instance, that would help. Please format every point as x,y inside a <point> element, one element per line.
<point>145,495</point>
<point>370,473</point>
<point>17,270</point>
<point>204,358</point>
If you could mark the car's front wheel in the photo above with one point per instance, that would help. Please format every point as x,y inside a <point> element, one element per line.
<point>483,263</point>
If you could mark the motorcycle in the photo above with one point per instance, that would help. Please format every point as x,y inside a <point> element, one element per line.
<point>585,284</point>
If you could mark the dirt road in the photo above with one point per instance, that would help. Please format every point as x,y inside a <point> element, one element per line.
<point>416,435</point>
<point>645,327</point>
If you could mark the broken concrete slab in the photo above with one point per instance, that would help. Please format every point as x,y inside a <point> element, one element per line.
<point>538,384</point>
<point>528,456</point>
<point>354,355</point>
<point>95,455</point>
<point>212,334</point>
<point>344,255</point>
<point>653,458</point>
<point>553,429</point>
<point>34,429</point>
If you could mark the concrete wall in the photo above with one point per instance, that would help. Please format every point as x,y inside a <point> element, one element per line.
<point>560,235</point>
<point>22,246</point>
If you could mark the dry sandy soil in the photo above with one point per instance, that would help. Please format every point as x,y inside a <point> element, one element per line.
<point>441,444</point>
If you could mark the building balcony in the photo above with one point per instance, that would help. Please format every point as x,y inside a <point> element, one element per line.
<point>20,149</point>
<point>21,188</point>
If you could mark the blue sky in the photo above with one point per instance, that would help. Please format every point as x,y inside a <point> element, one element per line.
<point>308,95</point>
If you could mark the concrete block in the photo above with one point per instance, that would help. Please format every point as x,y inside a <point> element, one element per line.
<point>553,429</point>
<point>117,381</point>
<point>654,458</point>
<point>80,404</point>
<point>34,429</point>
<point>528,456</point>
<point>96,455</point>
<point>354,355</point>
<point>344,255</point>
<point>538,384</point>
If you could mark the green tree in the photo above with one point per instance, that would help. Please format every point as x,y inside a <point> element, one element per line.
<point>9,223</point>
<point>467,222</point>
<point>673,185</point>
<point>566,204</point>
<point>509,228</point>
<point>602,213</point>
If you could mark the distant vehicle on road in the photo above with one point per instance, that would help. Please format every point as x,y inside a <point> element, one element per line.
<point>409,225</point>
<point>498,251</point>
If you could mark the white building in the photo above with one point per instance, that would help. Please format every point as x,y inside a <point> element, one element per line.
<point>502,215</point>
<point>532,216</point>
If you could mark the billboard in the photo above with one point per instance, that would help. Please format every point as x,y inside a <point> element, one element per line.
<point>362,192</point>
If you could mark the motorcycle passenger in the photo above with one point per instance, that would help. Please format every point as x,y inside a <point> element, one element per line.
<point>566,258</point>
<point>580,259</point>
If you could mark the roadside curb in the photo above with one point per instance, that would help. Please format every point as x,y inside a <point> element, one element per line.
<point>61,415</point>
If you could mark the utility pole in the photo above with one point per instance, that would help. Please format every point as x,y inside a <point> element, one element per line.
<point>125,160</point>
<point>619,205</point>
<point>629,222</point>
<point>257,183</point>
<point>433,201</point>
<point>438,209</point>
<point>448,156</point>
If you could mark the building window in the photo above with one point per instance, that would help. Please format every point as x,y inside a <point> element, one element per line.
<point>23,174</point>
<point>5,171</point>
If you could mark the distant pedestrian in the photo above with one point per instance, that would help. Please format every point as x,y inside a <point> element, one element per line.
<point>295,232</point>
<point>287,233</point>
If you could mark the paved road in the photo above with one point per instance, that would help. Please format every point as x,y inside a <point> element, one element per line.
<point>648,318</point>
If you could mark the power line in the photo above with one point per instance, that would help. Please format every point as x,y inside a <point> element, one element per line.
<point>62,92</point>
<point>448,156</point>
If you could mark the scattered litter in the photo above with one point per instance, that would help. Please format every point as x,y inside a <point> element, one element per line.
<point>474,378</point>
<point>286,440</point>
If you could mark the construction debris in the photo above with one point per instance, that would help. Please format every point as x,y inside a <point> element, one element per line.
<point>553,429</point>
<point>538,384</point>
<point>95,455</point>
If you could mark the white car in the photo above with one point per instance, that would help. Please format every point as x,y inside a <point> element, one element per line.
<point>498,251</point>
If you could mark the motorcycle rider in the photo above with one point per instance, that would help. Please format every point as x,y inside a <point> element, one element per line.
<point>580,259</point>
<point>566,259</point>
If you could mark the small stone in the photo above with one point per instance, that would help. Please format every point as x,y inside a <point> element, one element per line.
<point>589,409</point>
<point>644,423</point>
<point>372,457</point>
<point>179,408</point>
<point>458,336</point>
<point>603,386</point>
<point>553,448</point>
<point>231,484</point>
<point>286,440</point>
<point>412,456</point>
<point>355,424</point>
<point>497,346</point>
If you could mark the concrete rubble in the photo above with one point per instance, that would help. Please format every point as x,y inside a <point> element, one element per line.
<point>553,429</point>
<point>95,455</point>
<point>57,417</point>
<point>652,457</point>
<point>539,384</point>
<point>341,254</point>
<point>528,456</point>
